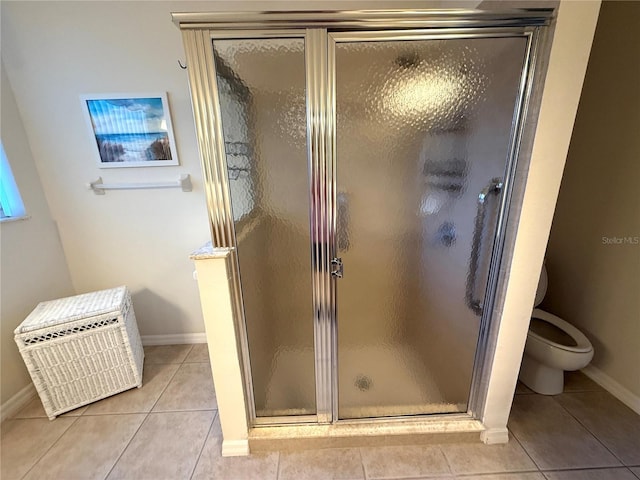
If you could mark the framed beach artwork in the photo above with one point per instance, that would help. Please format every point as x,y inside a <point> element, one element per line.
<point>131,130</point>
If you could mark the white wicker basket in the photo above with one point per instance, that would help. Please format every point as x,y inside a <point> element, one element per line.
<point>81,349</point>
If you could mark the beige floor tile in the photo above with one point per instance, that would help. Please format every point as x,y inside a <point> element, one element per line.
<point>579,382</point>
<point>34,409</point>
<point>522,388</point>
<point>327,464</point>
<point>612,422</point>
<point>88,449</point>
<point>595,474</point>
<point>178,442</point>
<point>25,441</point>
<point>138,400</point>
<point>166,354</point>
<point>507,476</point>
<point>211,464</point>
<point>437,477</point>
<point>466,458</point>
<point>257,466</point>
<point>166,447</point>
<point>404,461</point>
<point>553,438</point>
<point>199,354</point>
<point>190,389</point>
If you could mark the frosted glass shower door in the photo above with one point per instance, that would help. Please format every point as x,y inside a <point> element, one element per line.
<point>423,141</point>
<point>262,100</point>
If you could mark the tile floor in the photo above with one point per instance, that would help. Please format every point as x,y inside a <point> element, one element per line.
<point>169,429</point>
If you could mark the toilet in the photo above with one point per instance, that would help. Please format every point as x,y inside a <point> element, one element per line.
<point>553,346</point>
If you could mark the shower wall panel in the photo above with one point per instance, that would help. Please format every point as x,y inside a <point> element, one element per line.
<point>261,85</point>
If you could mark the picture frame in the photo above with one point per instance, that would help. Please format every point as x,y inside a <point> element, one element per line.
<point>130,130</point>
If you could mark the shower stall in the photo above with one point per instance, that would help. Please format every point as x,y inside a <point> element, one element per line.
<point>361,168</point>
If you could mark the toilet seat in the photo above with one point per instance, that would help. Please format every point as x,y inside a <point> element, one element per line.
<point>583,345</point>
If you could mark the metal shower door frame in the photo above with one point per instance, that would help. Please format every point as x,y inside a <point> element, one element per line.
<point>321,31</point>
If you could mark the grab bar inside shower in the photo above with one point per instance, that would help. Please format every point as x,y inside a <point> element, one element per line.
<point>475,304</point>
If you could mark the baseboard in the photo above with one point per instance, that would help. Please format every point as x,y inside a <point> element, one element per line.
<point>235,448</point>
<point>494,436</point>
<point>15,403</point>
<point>627,397</point>
<point>176,339</point>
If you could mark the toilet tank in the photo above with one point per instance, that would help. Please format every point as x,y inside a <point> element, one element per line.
<point>542,286</point>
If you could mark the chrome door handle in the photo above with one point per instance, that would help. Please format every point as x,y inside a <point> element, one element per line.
<point>338,271</point>
<point>475,304</point>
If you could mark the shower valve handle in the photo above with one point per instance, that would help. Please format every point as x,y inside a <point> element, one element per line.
<point>337,269</point>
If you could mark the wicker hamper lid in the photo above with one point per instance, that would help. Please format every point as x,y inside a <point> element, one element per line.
<point>63,310</point>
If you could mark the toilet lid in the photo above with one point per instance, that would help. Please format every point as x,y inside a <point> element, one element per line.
<point>557,332</point>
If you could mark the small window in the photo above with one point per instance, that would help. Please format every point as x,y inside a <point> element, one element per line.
<point>11,206</point>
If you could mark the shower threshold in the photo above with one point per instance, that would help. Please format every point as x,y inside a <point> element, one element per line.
<point>421,430</point>
<point>374,382</point>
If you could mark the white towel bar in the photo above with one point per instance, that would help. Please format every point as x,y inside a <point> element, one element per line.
<point>183,182</point>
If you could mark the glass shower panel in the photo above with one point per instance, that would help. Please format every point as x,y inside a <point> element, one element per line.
<point>261,85</point>
<point>423,127</point>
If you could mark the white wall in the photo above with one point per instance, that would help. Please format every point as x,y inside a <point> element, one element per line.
<point>33,264</point>
<point>55,51</point>
<point>592,284</point>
